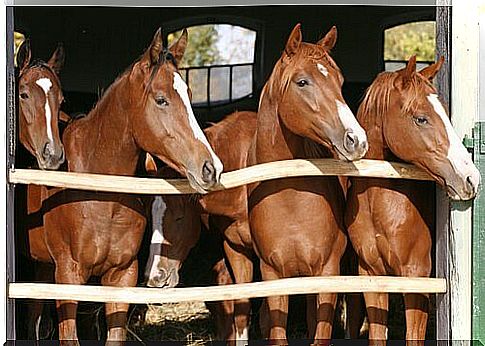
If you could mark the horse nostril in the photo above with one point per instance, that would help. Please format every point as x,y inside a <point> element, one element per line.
<point>351,141</point>
<point>46,152</point>
<point>470,184</point>
<point>208,172</point>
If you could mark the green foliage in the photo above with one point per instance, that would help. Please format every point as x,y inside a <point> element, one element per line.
<point>201,48</point>
<point>402,41</point>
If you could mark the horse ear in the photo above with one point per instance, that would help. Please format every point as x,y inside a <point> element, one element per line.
<point>410,69</point>
<point>152,54</point>
<point>178,47</point>
<point>24,55</point>
<point>56,62</point>
<point>150,165</point>
<point>430,71</point>
<point>329,40</point>
<point>294,40</point>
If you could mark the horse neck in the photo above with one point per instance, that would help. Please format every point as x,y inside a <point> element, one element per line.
<point>373,125</point>
<point>274,141</point>
<point>104,141</point>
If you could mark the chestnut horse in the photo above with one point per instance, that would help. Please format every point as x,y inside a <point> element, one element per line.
<point>176,223</point>
<point>296,224</point>
<point>228,210</point>
<point>98,234</point>
<point>40,98</point>
<point>389,221</point>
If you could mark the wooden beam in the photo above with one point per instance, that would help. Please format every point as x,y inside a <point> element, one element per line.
<point>301,285</point>
<point>262,172</point>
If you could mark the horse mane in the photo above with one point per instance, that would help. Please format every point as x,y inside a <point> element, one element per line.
<point>378,96</point>
<point>164,56</point>
<point>280,78</point>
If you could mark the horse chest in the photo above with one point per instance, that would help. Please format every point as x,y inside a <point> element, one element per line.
<point>100,234</point>
<point>391,220</point>
<point>293,227</point>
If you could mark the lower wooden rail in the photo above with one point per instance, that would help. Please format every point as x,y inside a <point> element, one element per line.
<point>301,285</point>
<point>261,172</point>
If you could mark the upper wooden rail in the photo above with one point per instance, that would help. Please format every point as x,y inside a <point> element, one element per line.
<point>261,172</point>
<point>301,285</point>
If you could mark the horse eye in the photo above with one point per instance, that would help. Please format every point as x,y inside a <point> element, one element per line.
<point>420,120</point>
<point>302,82</point>
<point>161,101</point>
<point>24,96</point>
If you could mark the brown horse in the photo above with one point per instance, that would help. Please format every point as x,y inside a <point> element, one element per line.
<point>296,224</point>
<point>176,226</point>
<point>228,210</point>
<point>98,234</point>
<point>389,222</point>
<point>40,98</point>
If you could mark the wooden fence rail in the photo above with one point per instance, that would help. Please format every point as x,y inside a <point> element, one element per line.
<point>300,285</point>
<point>261,172</point>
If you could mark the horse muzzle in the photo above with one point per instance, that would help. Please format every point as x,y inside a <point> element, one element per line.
<point>52,156</point>
<point>165,278</point>
<point>464,189</point>
<point>353,147</point>
<point>205,179</point>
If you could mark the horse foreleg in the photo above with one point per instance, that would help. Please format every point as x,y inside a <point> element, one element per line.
<point>68,272</point>
<point>326,304</point>
<point>223,311</point>
<point>116,313</point>
<point>277,309</point>
<point>242,268</point>
<point>324,317</point>
<point>264,321</point>
<point>66,310</point>
<point>377,306</point>
<point>417,306</point>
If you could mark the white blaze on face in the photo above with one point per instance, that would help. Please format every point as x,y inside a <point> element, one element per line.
<point>459,157</point>
<point>349,122</point>
<point>242,337</point>
<point>323,70</point>
<point>46,84</point>
<point>158,212</point>
<point>181,88</point>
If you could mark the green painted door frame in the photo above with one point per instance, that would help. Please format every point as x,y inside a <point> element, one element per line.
<point>478,238</point>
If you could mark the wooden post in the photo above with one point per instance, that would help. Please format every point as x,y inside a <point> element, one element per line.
<point>464,114</point>
<point>442,249</point>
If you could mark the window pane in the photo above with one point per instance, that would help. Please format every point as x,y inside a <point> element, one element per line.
<point>219,87</point>
<point>421,65</point>
<point>198,85</point>
<point>217,44</point>
<point>393,66</point>
<point>402,41</point>
<point>242,81</point>
<point>235,44</point>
